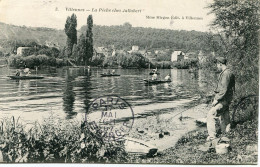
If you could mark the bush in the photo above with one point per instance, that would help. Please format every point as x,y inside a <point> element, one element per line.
<point>33,60</point>
<point>56,141</point>
<point>162,65</point>
<point>126,60</point>
<point>186,63</point>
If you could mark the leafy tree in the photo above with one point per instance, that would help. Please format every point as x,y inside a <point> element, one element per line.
<point>71,32</point>
<point>238,24</point>
<point>75,52</point>
<point>81,49</point>
<point>89,40</point>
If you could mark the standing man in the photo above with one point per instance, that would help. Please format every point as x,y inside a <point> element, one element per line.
<point>223,97</point>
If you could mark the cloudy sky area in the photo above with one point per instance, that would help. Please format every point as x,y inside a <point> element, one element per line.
<point>42,13</point>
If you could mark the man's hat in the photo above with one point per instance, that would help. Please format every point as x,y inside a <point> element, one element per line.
<point>221,60</point>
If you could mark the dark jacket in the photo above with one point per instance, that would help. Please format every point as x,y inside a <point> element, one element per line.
<point>225,87</point>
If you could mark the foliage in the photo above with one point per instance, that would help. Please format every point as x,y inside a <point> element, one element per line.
<point>81,50</point>
<point>125,36</point>
<point>56,141</point>
<point>32,61</point>
<point>238,23</point>
<point>89,41</point>
<point>97,60</point>
<point>162,65</point>
<point>71,32</point>
<point>49,51</point>
<point>15,36</point>
<point>186,63</point>
<point>126,60</point>
<point>164,56</point>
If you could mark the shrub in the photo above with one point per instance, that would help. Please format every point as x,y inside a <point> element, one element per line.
<point>33,60</point>
<point>56,141</point>
<point>186,63</point>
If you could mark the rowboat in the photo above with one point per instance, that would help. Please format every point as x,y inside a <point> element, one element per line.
<point>151,73</point>
<point>135,146</point>
<point>25,77</point>
<point>109,75</point>
<point>155,81</point>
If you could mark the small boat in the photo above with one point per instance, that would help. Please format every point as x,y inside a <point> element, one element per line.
<point>155,81</point>
<point>26,77</point>
<point>109,75</point>
<point>3,65</point>
<point>135,146</point>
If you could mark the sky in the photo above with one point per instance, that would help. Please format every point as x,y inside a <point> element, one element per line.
<point>165,14</point>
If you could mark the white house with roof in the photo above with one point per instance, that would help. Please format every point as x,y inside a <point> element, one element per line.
<point>177,56</point>
<point>22,50</point>
<point>135,48</point>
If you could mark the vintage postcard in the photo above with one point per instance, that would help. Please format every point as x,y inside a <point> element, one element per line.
<point>129,82</point>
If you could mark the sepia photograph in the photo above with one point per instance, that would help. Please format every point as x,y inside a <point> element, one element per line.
<point>169,82</point>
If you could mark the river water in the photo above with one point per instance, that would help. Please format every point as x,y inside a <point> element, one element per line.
<point>66,92</point>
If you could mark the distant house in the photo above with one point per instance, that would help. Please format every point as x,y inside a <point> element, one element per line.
<point>100,51</point>
<point>23,50</point>
<point>116,52</point>
<point>52,44</point>
<point>177,56</point>
<point>135,48</point>
<point>202,58</point>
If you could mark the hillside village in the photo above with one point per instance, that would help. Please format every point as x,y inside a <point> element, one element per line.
<point>151,55</point>
<point>162,48</point>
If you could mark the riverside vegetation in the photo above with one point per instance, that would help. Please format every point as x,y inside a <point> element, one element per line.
<point>56,141</point>
<point>239,43</point>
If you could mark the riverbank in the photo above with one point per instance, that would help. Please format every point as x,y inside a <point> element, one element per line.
<point>187,150</point>
<point>174,132</point>
<point>164,128</point>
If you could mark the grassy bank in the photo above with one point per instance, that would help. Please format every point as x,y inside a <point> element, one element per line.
<point>55,141</point>
<point>243,144</point>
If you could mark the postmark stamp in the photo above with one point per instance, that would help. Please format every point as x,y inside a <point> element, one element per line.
<point>112,115</point>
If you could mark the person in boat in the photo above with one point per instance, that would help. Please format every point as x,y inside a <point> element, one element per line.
<point>168,77</point>
<point>154,70</point>
<point>27,71</point>
<point>18,73</point>
<point>108,72</point>
<point>113,71</point>
<point>154,77</point>
<point>220,106</point>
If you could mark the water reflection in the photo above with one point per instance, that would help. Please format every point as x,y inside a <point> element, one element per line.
<point>86,85</point>
<point>23,86</point>
<point>70,90</point>
<point>69,94</point>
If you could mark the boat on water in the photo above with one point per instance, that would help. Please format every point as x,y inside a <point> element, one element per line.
<point>156,81</point>
<point>151,73</point>
<point>109,75</point>
<point>26,77</point>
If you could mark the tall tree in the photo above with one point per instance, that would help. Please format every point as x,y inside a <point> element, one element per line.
<point>238,24</point>
<point>75,52</point>
<point>71,32</point>
<point>89,40</point>
<point>81,49</point>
